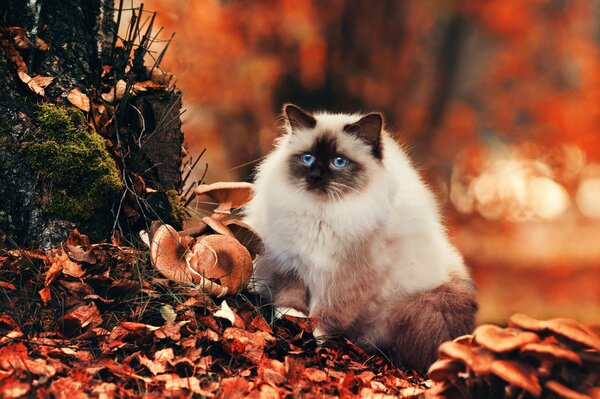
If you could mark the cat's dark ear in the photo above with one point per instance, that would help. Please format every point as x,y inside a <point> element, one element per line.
<point>298,118</point>
<point>368,129</point>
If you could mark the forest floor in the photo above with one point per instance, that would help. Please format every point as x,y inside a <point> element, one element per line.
<point>94,320</point>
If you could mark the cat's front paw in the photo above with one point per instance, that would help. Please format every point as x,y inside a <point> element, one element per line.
<point>320,335</point>
<point>281,311</point>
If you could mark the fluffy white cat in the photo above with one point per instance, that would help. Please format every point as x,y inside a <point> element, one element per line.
<point>353,238</point>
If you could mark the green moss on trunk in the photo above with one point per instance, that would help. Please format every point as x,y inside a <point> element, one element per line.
<point>80,178</point>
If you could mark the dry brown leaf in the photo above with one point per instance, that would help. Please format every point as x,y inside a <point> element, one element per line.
<point>8,286</point>
<point>45,295</point>
<point>73,269</point>
<point>238,342</point>
<point>271,371</point>
<point>315,375</point>
<point>41,45</point>
<point>36,84</point>
<point>79,99</point>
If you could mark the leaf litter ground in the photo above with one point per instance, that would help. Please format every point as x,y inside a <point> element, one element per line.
<point>94,320</point>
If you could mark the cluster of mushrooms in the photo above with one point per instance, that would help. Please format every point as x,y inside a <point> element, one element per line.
<point>216,255</point>
<point>557,358</point>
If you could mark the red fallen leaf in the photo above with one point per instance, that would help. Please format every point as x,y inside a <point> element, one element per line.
<point>169,330</point>
<point>240,342</point>
<point>294,368</point>
<point>147,84</point>
<point>271,371</point>
<point>72,269</point>
<point>13,388</point>
<point>106,390</point>
<point>78,254</point>
<point>306,324</point>
<point>79,99</point>
<point>8,286</point>
<point>155,367</point>
<point>315,375</point>
<point>173,382</point>
<point>68,388</point>
<point>15,357</point>
<point>349,385</point>
<point>265,392</point>
<point>133,326</point>
<point>45,294</point>
<point>41,45</point>
<point>259,323</point>
<point>36,84</point>
<point>77,239</point>
<point>83,317</point>
<point>53,272</point>
<point>121,370</point>
<point>366,376</point>
<point>234,388</point>
<point>12,354</point>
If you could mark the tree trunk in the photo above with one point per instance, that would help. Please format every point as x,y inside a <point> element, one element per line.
<point>59,169</point>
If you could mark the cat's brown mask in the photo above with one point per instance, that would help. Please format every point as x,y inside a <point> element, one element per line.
<point>323,167</point>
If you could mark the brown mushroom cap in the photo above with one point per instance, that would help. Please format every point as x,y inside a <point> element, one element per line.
<point>246,235</point>
<point>566,328</point>
<point>227,194</point>
<point>518,374</point>
<point>445,369</point>
<point>500,340</point>
<point>217,226</point>
<point>564,392</point>
<point>477,359</point>
<point>482,362</point>
<point>167,255</point>
<point>550,350</point>
<point>224,258</point>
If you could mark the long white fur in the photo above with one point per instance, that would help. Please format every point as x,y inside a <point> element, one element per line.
<point>392,225</point>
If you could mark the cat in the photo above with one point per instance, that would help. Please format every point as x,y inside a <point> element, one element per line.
<point>353,237</point>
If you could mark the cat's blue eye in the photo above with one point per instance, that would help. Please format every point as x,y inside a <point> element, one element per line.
<point>308,159</point>
<point>339,162</point>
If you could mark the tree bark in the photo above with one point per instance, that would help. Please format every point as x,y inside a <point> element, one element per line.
<point>71,41</point>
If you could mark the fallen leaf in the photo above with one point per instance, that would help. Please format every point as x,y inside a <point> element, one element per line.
<point>45,295</point>
<point>8,286</point>
<point>234,388</point>
<point>41,45</point>
<point>36,84</point>
<point>238,342</point>
<point>168,313</point>
<point>79,99</point>
<point>271,371</point>
<point>225,312</point>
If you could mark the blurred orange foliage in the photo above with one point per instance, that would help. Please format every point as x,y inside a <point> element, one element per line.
<point>498,101</point>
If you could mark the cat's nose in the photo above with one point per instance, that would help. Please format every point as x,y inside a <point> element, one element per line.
<point>315,176</point>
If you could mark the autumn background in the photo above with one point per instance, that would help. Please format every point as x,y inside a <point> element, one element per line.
<point>497,101</point>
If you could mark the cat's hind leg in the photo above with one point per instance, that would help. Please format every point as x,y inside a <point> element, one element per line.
<point>422,321</point>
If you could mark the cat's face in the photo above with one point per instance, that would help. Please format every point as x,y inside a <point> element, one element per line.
<point>331,158</point>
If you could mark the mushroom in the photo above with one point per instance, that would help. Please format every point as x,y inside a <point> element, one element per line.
<point>550,350</point>
<point>227,194</point>
<point>565,328</point>
<point>564,392</point>
<point>246,235</point>
<point>167,253</point>
<point>221,257</point>
<point>217,226</point>
<point>500,340</point>
<point>445,370</point>
<point>195,231</point>
<point>482,362</point>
